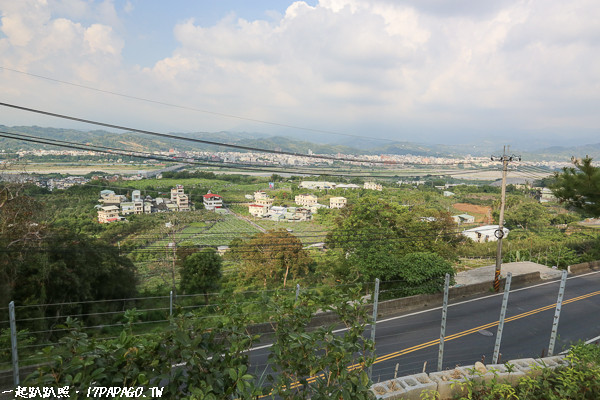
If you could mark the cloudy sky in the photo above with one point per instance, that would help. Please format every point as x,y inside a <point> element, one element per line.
<point>433,71</point>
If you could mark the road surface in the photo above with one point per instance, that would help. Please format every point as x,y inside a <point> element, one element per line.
<point>412,340</point>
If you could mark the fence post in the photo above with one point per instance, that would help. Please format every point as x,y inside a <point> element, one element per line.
<point>297,291</point>
<point>13,342</point>
<point>374,319</point>
<point>561,292</point>
<point>443,329</point>
<point>501,320</point>
<point>171,304</point>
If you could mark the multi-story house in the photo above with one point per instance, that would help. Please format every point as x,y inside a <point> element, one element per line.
<point>257,210</point>
<point>212,201</point>
<point>107,214</point>
<point>306,200</point>
<point>337,202</point>
<point>183,202</point>
<point>176,192</point>
<point>373,186</point>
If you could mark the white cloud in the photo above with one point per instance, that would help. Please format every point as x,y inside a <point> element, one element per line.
<point>518,66</point>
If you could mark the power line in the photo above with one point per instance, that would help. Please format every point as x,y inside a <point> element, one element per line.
<point>195,109</point>
<point>202,141</point>
<point>248,167</point>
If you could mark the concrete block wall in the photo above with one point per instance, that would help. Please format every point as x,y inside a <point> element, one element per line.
<point>584,267</point>
<point>447,383</point>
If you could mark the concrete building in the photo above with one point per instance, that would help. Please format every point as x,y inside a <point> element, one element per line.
<point>260,195</point>
<point>258,210</point>
<point>107,214</point>
<point>183,203</point>
<point>486,233</point>
<point>316,185</point>
<point>212,201</point>
<point>176,192</point>
<point>373,186</point>
<point>265,201</point>
<point>348,186</point>
<point>464,219</point>
<point>306,200</point>
<point>109,197</point>
<point>136,195</point>
<point>337,202</point>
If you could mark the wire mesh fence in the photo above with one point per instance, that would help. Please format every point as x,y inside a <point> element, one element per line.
<point>37,326</point>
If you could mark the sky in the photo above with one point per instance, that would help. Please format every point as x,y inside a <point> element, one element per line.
<point>524,73</point>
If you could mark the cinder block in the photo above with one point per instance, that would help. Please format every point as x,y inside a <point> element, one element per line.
<point>388,390</point>
<point>416,384</point>
<point>553,361</point>
<point>529,366</point>
<point>449,382</point>
<point>499,371</point>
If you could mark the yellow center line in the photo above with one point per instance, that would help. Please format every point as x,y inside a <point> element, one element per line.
<point>453,336</point>
<point>478,328</point>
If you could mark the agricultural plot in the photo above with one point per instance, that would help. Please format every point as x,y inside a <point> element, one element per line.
<point>219,233</point>
<point>309,232</point>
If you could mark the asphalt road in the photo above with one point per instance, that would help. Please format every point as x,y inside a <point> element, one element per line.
<point>412,340</point>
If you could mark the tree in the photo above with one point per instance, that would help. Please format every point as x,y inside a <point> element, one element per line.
<point>579,186</point>
<point>273,256</point>
<point>373,234</point>
<point>201,272</point>
<point>418,273</point>
<point>20,235</point>
<point>316,363</point>
<point>527,215</point>
<point>75,268</point>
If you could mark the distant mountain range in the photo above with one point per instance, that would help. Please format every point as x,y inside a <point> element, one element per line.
<point>141,142</point>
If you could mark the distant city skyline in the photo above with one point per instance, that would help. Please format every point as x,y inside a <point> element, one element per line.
<point>525,73</point>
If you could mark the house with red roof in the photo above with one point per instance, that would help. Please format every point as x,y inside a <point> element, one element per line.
<point>212,201</point>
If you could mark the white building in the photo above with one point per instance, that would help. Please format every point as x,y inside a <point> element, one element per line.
<point>260,195</point>
<point>486,233</point>
<point>337,202</point>
<point>258,210</point>
<point>348,186</point>
<point>212,201</point>
<point>136,195</point>
<point>316,185</point>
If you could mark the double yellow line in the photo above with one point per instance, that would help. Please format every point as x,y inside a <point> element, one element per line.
<point>452,337</point>
<point>478,328</point>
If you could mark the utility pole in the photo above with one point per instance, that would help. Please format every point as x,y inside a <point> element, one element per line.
<point>500,231</point>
